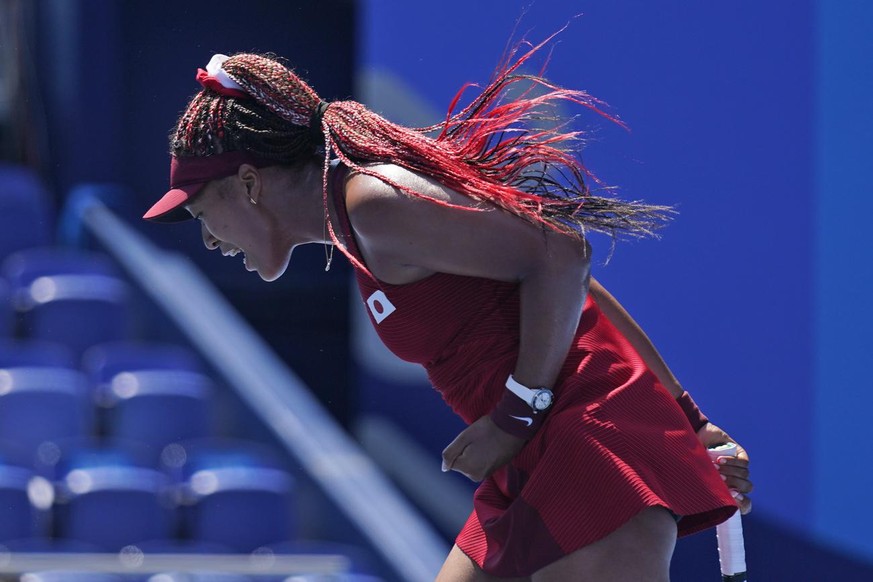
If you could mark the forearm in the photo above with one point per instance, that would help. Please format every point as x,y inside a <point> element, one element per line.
<point>551,300</point>
<point>629,328</point>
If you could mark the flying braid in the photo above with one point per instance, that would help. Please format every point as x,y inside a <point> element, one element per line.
<point>490,150</point>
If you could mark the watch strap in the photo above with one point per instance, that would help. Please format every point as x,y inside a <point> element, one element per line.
<point>520,390</point>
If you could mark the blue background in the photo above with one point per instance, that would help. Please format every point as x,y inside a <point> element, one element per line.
<point>753,119</point>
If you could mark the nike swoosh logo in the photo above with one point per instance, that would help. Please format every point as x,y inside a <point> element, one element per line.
<point>526,419</point>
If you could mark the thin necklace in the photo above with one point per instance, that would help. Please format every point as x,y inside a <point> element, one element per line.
<point>328,254</point>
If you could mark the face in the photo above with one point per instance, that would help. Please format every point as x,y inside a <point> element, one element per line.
<point>231,223</point>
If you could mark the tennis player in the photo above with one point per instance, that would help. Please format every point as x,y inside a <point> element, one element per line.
<point>468,242</point>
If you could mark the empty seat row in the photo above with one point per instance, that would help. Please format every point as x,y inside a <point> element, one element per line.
<point>74,298</point>
<point>154,472</point>
<point>153,408</point>
<point>236,495</point>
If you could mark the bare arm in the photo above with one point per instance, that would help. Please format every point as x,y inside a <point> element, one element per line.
<point>629,328</point>
<point>406,238</point>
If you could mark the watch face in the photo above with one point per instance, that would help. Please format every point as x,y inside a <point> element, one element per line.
<point>542,399</point>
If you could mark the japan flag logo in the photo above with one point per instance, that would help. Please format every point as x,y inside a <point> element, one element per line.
<point>380,306</point>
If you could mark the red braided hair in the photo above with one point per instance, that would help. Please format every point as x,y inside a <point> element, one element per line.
<point>488,150</point>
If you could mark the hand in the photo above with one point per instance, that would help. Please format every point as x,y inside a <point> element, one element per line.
<point>734,470</point>
<point>480,449</point>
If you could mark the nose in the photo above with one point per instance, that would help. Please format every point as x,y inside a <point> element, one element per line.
<point>209,241</point>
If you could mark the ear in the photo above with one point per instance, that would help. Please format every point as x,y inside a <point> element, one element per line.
<point>251,180</point>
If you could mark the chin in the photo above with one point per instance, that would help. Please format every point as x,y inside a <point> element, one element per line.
<point>270,275</point>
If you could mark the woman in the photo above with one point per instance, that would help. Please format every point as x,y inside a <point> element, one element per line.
<point>470,253</point>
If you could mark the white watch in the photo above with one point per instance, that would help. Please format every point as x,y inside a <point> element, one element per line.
<point>539,399</point>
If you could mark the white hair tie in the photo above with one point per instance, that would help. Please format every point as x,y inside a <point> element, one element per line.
<point>217,79</point>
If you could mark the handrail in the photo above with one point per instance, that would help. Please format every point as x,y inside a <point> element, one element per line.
<point>283,402</point>
<point>132,560</point>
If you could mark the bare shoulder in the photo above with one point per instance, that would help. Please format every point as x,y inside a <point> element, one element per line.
<point>370,200</point>
<point>405,237</point>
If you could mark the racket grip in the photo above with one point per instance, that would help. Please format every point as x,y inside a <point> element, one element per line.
<point>731,551</point>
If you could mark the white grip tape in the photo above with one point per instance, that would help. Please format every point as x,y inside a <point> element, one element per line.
<point>731,552</point>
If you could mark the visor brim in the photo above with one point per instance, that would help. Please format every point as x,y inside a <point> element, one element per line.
<point>171,207</point>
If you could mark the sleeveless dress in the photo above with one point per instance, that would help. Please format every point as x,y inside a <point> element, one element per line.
<point>614,443</point>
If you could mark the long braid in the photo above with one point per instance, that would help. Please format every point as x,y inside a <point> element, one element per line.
<point>489,150</point>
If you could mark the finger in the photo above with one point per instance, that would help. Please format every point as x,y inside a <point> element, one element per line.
<point>743,502</point>
<point>734,471</point>
<point>728,472</point>
<point>741,485</point>
<point>738,461</point>
<point>728,466</point>
<point>453,451</point>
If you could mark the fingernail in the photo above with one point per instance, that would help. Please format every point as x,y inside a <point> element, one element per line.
<point>737,495</point>
<point>723,477</point>
<point>722,460</point>
<point>445,467</point>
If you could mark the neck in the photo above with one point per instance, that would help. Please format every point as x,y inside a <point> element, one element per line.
<point>302,207</point>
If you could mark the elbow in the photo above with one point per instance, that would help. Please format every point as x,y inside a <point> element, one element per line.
<point>570,256</point>
<point>574,253</point>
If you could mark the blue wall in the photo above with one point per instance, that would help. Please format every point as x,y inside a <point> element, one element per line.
<point>755,290</point>
<point>844,255</point>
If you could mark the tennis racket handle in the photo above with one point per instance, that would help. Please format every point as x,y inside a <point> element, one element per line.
<point>731,551</point>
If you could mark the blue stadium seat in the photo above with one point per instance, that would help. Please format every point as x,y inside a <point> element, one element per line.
<point>43,404</point>
<point>22,268</point>
<point>62,576</point>
<point>236,494</point>
<point>6,314</point>
<point>46,545</point>
<point>70,297</point>
<point>107,500</point>
<point>23,353</point>
<point>102,362</point>
<point>25,501</point>
<point>91,452</point>
<point>159,407</point>
<point>13,454</point>
<point>243,508</point>
<point>26,210</point>
<point>189,457</point>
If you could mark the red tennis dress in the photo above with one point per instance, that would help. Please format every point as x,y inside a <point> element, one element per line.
<point>615,441</point>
